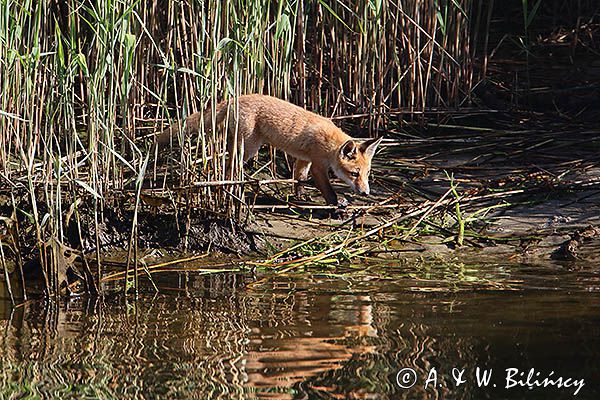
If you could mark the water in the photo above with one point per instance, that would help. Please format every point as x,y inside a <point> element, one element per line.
<point>339,334</point>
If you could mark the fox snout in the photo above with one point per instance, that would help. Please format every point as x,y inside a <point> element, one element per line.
<point>362,189</point>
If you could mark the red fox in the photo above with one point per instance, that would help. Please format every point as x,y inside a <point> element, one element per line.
<point>314,141</point>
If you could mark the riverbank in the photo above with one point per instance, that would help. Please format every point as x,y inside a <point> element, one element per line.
<point>529,194</point>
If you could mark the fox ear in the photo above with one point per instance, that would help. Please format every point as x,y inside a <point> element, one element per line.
<point>348,150</point>
<point>370,146</point>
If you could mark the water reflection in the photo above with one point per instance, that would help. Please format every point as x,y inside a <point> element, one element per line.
<point>308,336</point>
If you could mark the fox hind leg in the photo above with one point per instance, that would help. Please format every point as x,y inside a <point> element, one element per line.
<point>252,144</point>
<point>236,144</point>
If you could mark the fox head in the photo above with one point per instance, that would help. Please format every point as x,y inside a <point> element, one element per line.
<point>353,164</point>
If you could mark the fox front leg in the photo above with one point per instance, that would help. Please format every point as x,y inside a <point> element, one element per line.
<point>301,169</point>
<point>320,175</point>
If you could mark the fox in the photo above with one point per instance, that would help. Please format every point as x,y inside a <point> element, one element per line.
<point>315,142</point>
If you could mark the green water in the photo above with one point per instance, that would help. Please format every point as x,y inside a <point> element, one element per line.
<point>339,335</point>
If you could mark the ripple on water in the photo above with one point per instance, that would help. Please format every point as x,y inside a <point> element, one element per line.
<point>318,334</point>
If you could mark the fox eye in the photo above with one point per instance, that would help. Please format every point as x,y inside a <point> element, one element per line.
<point>354,174</point>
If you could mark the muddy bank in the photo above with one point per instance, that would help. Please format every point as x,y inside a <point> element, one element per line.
<point>517,236</point>
<point>156,228</point>
<point>528,194</point>
<point>160,232</point>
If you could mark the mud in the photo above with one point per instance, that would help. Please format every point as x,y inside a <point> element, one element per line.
<point>157,229</point>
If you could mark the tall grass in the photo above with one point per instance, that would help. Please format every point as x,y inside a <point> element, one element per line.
<point>83,82</point>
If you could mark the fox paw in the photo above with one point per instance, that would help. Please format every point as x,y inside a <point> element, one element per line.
<point>342,203</point>
<point>339,213</point>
